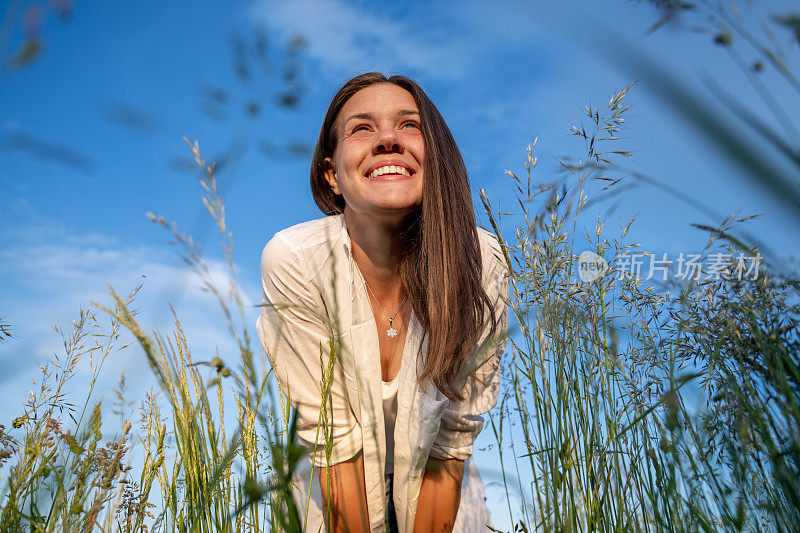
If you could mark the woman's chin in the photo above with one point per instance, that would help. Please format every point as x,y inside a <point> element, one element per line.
<point>399,206</point>
<point>389,210</point>
<point>394,200</point>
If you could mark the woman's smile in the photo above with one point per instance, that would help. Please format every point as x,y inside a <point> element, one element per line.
<point>388,170</point>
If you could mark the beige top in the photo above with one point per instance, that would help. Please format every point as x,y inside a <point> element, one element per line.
<point>310,292</point>
<point>389,395</point>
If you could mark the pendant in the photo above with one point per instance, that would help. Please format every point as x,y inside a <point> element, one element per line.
<point>391,332</point>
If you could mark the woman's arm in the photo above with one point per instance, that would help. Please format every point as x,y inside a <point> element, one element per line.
<point>439,495</point>
<point>347,496</point>
<point>295,333</point>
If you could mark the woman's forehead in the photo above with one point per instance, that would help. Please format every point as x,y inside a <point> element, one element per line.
<point>379,99</point>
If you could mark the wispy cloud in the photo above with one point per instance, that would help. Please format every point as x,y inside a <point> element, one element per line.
<point>51,273</point>
<point>442,41</point>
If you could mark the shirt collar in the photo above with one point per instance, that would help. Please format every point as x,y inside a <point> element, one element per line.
<point>347,245</point>
<point>345,234</point>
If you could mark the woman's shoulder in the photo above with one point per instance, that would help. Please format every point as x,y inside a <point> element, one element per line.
<point>488,239</point>
<point>300,243</point>
<point>311,232</point>
<point>491,251</point>
<point>493,259</point>
<point>306,235</point>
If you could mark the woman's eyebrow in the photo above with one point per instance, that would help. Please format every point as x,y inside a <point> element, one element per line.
<point>370,116</point>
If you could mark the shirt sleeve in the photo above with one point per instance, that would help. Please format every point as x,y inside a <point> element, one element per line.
<point>295,333</point>
<point>463,421</point>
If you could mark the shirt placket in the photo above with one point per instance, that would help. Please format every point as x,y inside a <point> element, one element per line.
<point>368,371</point>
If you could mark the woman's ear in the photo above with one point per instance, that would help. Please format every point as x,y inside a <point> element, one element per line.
<point>330,175</point>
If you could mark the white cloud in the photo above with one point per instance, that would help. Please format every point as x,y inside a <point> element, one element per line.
<point>50,274</point>
<point>342,35</point>
<point>434,40</point>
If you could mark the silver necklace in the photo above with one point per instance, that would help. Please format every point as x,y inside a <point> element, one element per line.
<point>391,332</point>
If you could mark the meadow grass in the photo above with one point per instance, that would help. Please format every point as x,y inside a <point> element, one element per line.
<point>597,379</point>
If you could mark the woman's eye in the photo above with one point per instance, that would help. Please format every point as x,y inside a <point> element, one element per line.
<point>411,123</point>
<point>360,127</point>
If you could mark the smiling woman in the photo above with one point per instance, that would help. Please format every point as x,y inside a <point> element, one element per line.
<point>412,293</point>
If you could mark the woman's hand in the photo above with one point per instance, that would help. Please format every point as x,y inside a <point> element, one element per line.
<point>347,496</point>
<point>439,495</point>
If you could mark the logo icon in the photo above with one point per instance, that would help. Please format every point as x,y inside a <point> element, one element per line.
<point>591,266</point>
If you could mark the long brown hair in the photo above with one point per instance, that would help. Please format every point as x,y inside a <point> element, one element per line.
<point>441,269</point>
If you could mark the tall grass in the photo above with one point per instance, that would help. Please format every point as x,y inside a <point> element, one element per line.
<point>597,379</point>
<point>591,366</point>
<point>62,481</point>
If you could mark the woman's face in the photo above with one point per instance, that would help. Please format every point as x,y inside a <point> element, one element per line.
<point>378,163</point>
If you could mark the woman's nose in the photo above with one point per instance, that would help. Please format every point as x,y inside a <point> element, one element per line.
<point>387,140</point>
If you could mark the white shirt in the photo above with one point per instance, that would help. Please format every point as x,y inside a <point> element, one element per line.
<point>310,292</point>
<point>389,396</point>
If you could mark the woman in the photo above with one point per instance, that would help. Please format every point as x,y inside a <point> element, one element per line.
<point>412,294</point>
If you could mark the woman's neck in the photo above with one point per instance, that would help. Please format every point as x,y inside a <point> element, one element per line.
<point>377,247</point>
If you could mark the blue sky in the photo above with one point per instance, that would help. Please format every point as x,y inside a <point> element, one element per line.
<point>501,73</point>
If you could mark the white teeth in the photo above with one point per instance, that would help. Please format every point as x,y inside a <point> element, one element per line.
<point>389,169</point>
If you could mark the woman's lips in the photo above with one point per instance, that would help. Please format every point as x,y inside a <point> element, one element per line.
<point>390,177</point>
<point>390,166</point>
